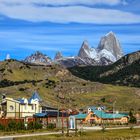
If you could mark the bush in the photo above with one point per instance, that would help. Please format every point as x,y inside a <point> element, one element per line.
<point>37,125</point>
<point>34,125</point>
<point>132,119</point>
<point>30,125</point>
<point>51,126</point>
<point>20,126</point>
<point>1,127</point>
<point>12,125</point>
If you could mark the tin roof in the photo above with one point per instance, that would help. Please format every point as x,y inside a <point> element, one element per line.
<point>80,116</point>
<point>104,115</point>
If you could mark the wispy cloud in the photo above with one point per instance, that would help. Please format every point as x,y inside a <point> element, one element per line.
<point>78,14</point>
<point>64,2</point>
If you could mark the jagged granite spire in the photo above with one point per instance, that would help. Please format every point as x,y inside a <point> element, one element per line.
<point>87,52</point>
<point>111,44</point>
<point>58,56</point>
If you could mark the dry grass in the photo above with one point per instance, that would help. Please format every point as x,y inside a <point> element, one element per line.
<point>126,134</point>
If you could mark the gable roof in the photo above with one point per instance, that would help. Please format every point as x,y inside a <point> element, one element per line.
<point>96,108</point>
<point>104,115</point>
<point>35,96</point>
<point>20,100</point>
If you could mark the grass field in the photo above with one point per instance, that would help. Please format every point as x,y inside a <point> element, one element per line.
<point>58,87</point>
<point>125,134</point>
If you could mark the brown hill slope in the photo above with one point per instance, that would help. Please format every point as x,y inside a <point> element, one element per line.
<point>58,87</point>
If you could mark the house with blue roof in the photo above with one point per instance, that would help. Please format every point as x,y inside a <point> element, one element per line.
<point>22,107</point>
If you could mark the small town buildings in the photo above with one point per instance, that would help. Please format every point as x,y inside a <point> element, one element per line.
<point>58,118</point>
<point>97,116</point>
<point>20,108</point>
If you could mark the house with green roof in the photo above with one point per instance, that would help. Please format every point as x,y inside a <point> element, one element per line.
<point>98,116</point>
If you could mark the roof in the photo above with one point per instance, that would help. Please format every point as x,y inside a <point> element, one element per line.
<point>35,96</point>
<point>95,107</point>
<point>51,114</point>
<point>104,115</point>
<point>80,116</point>
<point>21,100</point>
<point>40,115</point>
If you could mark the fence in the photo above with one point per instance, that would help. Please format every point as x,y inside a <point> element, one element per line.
<point>6,121</point>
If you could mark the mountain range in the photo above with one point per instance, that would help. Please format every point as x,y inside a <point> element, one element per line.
<point>108,51</point>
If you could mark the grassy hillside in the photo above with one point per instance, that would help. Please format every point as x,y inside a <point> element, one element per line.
<point>58,87</point>
<point>124,72</point>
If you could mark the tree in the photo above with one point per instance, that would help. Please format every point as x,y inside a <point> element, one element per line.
<point>132,119</point>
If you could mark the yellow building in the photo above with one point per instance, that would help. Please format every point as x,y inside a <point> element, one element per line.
<point>20,108</point>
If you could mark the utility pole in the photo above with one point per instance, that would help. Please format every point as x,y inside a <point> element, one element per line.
<point>68,116</point>
<point>114,111</point>
<point>75,127</point>
<point>58,109</point>
<point>62,123</point>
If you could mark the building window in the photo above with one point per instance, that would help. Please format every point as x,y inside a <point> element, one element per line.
<point>32,107</point>
<point>11,107</point>
<point>25,106</point>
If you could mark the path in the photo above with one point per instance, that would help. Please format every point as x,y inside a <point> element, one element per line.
<point>60,132</point>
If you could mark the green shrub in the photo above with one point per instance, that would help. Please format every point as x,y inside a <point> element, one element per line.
<point>20,126</point>
<point>30,125</point>
<point>1,127</point>
<point>51,126</point>
<point>12,125</point>
<point>37,125</point>
<point>34,125</point>
<point>132,119</point>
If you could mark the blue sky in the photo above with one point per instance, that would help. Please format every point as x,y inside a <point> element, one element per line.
<point>62,25</point>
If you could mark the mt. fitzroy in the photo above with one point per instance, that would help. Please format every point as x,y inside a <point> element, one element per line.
<point>108,51</point>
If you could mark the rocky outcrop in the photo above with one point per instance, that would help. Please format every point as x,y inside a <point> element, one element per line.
<point>38,58</point>
<point>58,56</point>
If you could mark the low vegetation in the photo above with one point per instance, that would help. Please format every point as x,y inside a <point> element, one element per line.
<point>57,86</point>
<point>126,134</point>
<point>13,125</point>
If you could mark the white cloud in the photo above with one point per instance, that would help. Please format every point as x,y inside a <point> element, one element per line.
<point>66,2</point>
<point>24,10</point>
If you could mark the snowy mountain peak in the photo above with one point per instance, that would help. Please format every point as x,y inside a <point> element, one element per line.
<point>111,33</point>
<point>109,49</point>
<point>86,51</point>
<point>111,44</point>
<point>38,58</point>
<point>85,45</point>
<point>58,56</point>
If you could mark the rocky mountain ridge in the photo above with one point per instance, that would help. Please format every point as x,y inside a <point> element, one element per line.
<point>108,51</point>
<point>126,71</point>
<point>38,58</point>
